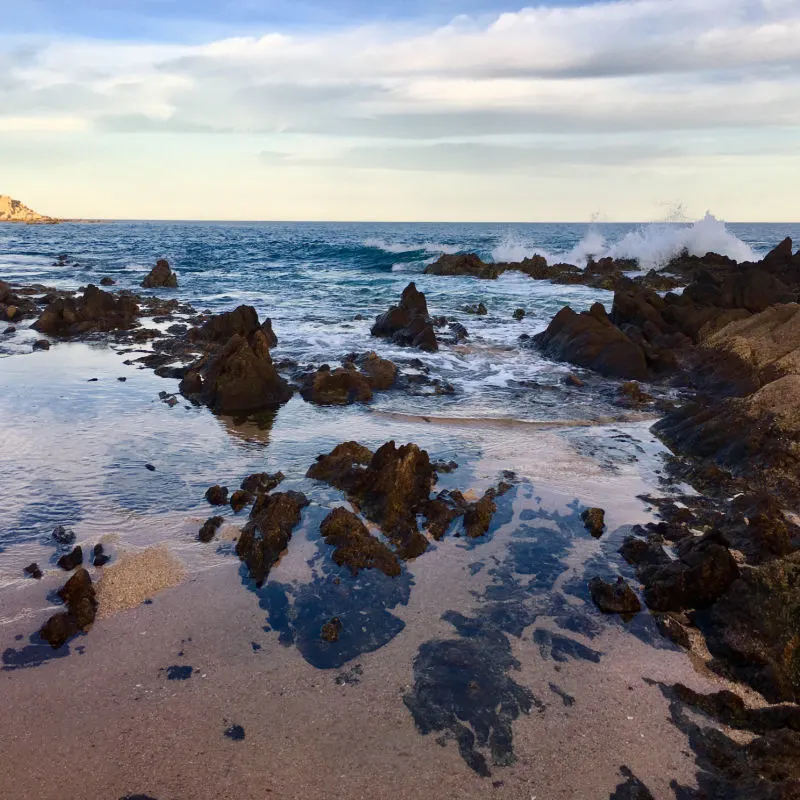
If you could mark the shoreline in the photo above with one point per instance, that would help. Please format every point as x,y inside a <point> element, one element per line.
<point>693,595</point>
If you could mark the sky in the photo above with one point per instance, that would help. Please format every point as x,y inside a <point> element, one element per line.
<point>463,110</point>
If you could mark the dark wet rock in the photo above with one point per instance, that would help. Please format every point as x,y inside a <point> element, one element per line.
<point>409,322</point>
<point>106,281</point>
<point>463,689</point>
<point>235,732</point>
<point>343,467</point>
<point>79,596</point>
<point>478,515</point>
<point>262,482</point>
<point>241,377</point>
<point>161,276</point>
<point>755,627</point>
<point>519,314</point>
<point>209,528</point>
<point>178,672</point>
<point>33,571</point>
<point>476,308</point>
<point>340,386</point>
<point>63,536</point>
<point>100,557</point>
<point>71,560</point>
<point>703,571</point>
<point>614,598</point>
<point>631,788</point>
<point>330,630</point>
<point>463,264</point>
<point>440,512</point>
<point>217,495</point>
<point>41,344</point>
<point>239,499</point>
<point>268,531</point>
<point>95,310</point>
<point>594,519</point>
<point>380,372</point>
<point>591,340</point>
<point>355,546</point>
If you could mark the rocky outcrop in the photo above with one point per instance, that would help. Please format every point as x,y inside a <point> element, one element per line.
<point>268,531</point>
<point>355,547</point>
<point>408,323</point>
<point>161,276</point>
<point>79,596</point>
<point>14,211</point>
<point>591,340</point>
<point>95,310</point>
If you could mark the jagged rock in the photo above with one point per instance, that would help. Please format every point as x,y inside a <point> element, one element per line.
<point>262,482</point>
<point>161,276</point>
<point>79,596</point>
<point>355,546</point>
<point>209,529</point>
<point>267,533</point>
<point>408,323</point>
<point>595,521</point>
<point>96,310</point>
<point>217,495</point>
<point>614,598</point>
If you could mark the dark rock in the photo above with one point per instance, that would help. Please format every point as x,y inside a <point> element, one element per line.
<point>241,378</point>
<point>96,310</point>
<point>41,344</point>
<point>595,521</point>
<point>71,560</point>
<point>703,571</point>
<point>239,499</point>
<point>614,598</point>
<point>209,529</point>
<point>755,626</point>
<point>217,495</point>
<point>161,276</point>
<point>336,387</point>
<point>355,546</point>
<point>331,630</point>
<point>261,482</point>
<point>478,515</point>
<point>64,536</point>
<point>267,533</point>
<point>79,596</point>
<point>100,557</point>
<point>589,339</point>
<point>33,570</point>
<point>408,323</point>
<point>343,467</point>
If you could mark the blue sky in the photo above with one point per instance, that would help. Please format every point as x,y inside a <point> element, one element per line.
<point>458,109</point>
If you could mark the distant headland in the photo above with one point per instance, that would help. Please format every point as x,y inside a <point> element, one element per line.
<point>14,211</point>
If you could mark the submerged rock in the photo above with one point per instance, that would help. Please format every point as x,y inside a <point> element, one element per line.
<point>409,322</point>
<point>161,276</point>
<point>355,546</point>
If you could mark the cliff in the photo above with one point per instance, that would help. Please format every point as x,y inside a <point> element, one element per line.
<point>14,211</point>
